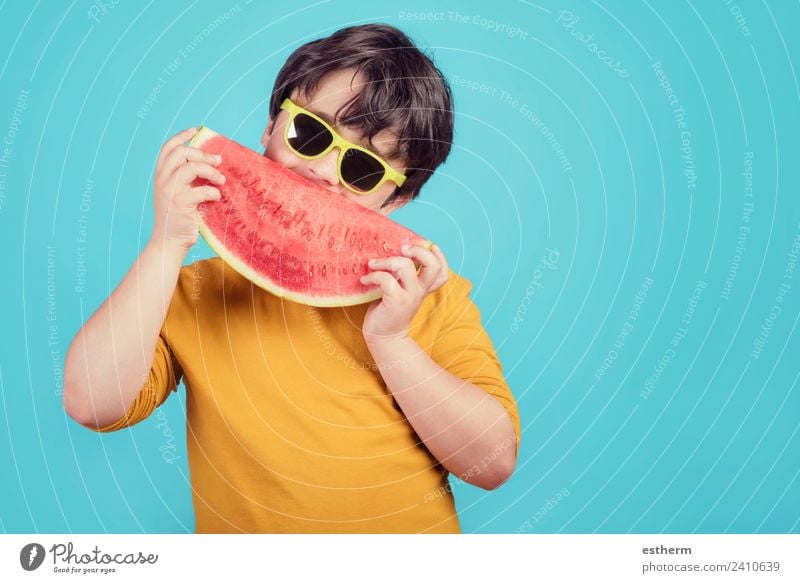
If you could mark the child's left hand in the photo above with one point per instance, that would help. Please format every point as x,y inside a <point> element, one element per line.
<point>403,290</point>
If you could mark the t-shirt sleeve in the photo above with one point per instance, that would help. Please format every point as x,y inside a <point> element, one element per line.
<point>464,349</point>
<point>164,376</point>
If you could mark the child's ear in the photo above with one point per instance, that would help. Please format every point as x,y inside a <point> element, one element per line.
<point>267,132</point>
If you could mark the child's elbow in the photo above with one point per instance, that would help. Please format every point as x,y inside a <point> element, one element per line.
<point>78,405</point>
<point>496,473</point>
<point>503,469</point>
<point>75,405</point>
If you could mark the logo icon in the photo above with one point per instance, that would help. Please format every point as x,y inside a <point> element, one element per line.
<point>31,556</point>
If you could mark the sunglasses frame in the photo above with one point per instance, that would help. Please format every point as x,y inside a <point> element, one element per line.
<point>338,141</point>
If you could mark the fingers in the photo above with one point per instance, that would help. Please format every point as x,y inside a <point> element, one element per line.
<point>403,267</point>
<point>444,269</point>
<point>202,194</point>
<point>430,265</point>
<point>432,275</point>
<point>186,173</point>
<point>388,284</point>
<point>181,154</point>
<point>174,141</point>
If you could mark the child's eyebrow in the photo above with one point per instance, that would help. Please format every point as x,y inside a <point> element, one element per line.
<point>323,115</point>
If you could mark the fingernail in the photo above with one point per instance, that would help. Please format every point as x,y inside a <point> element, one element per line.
<point>405,248</point>
<point>371,262</point>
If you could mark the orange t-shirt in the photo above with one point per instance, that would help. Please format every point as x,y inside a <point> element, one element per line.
<point>290,427</point>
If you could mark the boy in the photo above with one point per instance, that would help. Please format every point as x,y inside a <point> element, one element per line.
<point>306,419</point>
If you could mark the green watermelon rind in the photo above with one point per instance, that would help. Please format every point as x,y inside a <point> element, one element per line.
<point>203,134</point>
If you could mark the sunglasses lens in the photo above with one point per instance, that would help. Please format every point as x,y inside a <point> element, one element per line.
<point>360,170</point>
<point>307,136</point>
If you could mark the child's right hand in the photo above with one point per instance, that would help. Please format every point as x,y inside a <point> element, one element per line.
<point>175,199</point>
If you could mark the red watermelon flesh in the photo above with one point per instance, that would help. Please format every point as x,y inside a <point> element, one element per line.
<point>291,236</point>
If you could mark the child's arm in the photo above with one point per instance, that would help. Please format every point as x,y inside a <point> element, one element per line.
<point>111,355</point>
<point>465,427</point>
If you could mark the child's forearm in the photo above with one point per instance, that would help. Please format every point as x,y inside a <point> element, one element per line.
<point>111,355</point>
<point>464,427</point>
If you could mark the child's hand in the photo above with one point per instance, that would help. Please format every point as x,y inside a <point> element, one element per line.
<point>175,199</point>
<point>403,291</point>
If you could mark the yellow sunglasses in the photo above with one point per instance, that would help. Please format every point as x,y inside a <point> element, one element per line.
<point>310,137</point>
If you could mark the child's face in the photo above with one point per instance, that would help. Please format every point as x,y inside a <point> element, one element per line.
<point>331,94</point>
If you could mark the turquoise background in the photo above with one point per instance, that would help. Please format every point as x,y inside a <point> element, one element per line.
<point>669,406</point>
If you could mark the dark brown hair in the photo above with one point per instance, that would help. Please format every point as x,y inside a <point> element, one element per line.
<point>404,92</point>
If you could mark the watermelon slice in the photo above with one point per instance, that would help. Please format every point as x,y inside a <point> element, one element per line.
<point>291,236</point>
